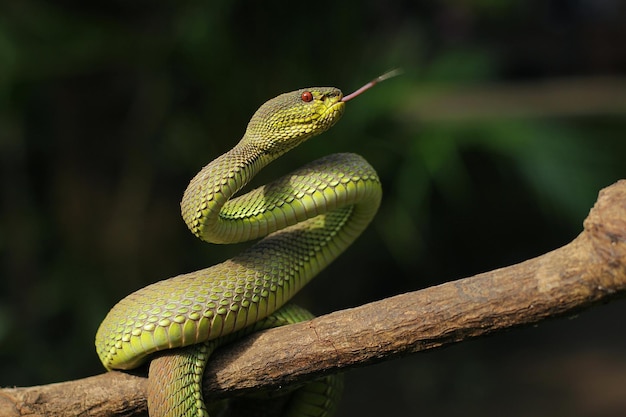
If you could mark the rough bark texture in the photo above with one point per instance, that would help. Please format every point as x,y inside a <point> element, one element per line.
<point>589,270</point>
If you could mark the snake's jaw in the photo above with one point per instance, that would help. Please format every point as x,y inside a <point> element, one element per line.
<point>286,121</point>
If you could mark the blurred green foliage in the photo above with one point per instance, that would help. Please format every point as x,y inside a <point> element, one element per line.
<point>107,109</point>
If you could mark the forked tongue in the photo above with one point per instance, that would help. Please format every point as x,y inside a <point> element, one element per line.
<point>372,83</point>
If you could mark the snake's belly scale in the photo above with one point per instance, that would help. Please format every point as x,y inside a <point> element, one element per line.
<point>307,217</point>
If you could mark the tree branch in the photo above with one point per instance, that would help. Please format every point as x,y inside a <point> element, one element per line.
<point>549,98</point>
<point>589,270</point>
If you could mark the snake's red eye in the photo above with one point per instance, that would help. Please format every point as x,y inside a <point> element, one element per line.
<point>306,96</point>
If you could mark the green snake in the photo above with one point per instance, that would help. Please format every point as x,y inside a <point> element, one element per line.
<point>307,218</point>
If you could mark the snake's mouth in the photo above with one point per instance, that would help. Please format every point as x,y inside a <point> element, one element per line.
<point>334,112</point>
<point>336,104</point>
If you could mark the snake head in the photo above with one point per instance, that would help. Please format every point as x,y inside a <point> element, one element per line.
<point>291,118</point>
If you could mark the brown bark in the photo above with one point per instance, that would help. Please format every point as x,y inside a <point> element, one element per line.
<point>589,270</point>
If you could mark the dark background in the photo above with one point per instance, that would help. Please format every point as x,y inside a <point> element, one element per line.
<point>492,147</point>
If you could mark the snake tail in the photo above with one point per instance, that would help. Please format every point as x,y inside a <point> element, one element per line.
<point>183,370</point>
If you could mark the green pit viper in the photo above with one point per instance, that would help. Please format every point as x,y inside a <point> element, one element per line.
<point>307,218</point>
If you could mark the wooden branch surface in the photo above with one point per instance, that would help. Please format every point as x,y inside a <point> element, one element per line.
<point>549,98</point>
<point>589,270</point>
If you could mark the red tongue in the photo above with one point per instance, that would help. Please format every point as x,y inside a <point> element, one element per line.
<point>372,83</point>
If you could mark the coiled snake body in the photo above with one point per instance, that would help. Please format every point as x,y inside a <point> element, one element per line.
<point>307,217</point>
